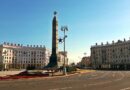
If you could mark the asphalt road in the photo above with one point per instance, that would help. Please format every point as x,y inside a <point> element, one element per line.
<point>99,80</point>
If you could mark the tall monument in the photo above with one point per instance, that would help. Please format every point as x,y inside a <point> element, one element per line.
<point>54,55</point>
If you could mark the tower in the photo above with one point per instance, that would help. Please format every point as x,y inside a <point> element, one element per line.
<point>54,55</point>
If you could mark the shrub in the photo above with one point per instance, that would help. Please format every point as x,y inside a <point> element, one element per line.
<point>30,68</point>
<point>71,68</point>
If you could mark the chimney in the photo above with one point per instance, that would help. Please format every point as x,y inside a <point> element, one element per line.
<point>40,45</point>
<point>107,43</point>
<point>7,43</point>
<point>112,42</point>
<point>43,46</point>
<point>102,43</point>
<point>4,43</point>
<point>27,45</point>
<point>124,40</point>
<point>18,44</point>
<point>11,44</point>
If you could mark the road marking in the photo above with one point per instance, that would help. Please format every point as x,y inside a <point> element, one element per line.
<point>125,88</point>
<point>99,83</point>
<point>94,75</point>
<point>100,77</point>
<point>122,76</point>
<point>85,85</point>
<point>79,75</point>
<point>54,89</point>
<point>64,88</point>
<point>113,75</point>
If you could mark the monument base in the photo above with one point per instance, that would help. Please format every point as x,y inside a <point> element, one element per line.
<point>53,64</point>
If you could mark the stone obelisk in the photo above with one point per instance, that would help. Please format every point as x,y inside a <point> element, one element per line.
<point>54,55</point>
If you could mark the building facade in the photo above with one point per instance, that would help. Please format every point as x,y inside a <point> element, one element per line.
<point>85,62</point>
<point>111,56</point>
<point>62,59</point>
<point>16,56</point>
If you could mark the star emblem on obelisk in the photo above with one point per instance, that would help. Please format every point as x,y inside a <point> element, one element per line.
<point>55,13</point>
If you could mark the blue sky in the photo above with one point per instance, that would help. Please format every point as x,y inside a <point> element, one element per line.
<point>89,21</point>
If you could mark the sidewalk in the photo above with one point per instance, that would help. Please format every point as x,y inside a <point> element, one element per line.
<point>80,71</point>
<point>85,71</point>
<point>5,73</point>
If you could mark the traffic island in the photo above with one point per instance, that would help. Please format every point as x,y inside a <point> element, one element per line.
<point>40,74</point>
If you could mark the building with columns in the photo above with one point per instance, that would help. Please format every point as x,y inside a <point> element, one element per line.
<point>17,56</point>
<point>115,55</point>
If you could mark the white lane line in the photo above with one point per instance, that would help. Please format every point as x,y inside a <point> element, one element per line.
<point>79,75</point>
<point>125,88</point>
<point>99,83</point>
<point>100,77</point>
<point>54,89</point>
<point>113,75</point>
<point>85,85</point>
<point>122,76</point>
<point>64,88</point>
<point>94,75</point>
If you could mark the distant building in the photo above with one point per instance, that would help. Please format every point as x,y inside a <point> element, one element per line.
<point>111,56</point>
<point>17,56</point>
<point>85,62</point>
<point>61,59</point>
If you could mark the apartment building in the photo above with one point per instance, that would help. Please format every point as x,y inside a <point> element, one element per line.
<point>115,55</point>
<point>17,56</point>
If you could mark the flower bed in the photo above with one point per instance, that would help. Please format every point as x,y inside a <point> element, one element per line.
<point>25,75</point>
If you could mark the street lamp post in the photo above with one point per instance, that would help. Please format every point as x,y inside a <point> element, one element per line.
<point>64,29</point>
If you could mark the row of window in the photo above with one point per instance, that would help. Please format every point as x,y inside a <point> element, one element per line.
<point>31,62</point>
<point>121,61</point>
<point>27,58</point>
<point>112,50</point>
<point>30,55</point>
<point>23,52</point>
<point>113,56</point>
<point>27,55</point>
<point>7,61</point>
